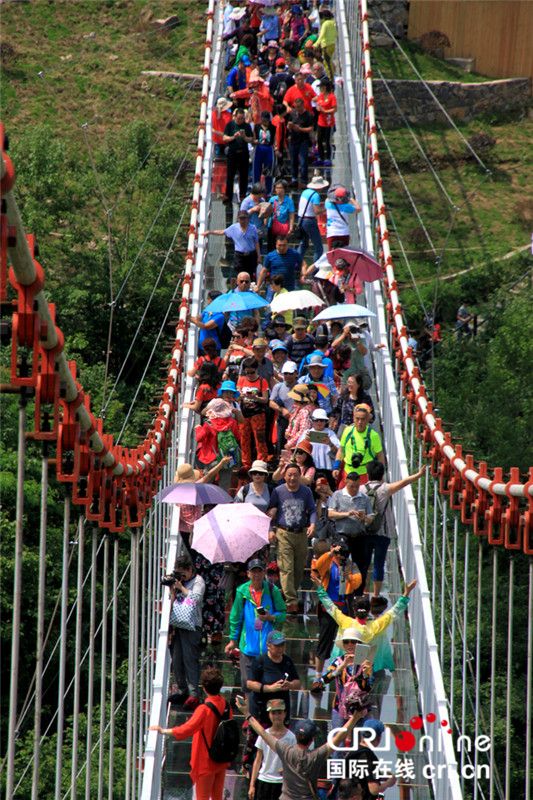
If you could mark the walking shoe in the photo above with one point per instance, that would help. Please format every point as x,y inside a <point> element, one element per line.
<point>177,698</point>
<point>318,162</point>
<point>378,605</point>
<point>326,163</point>
<point>317,687</point>
<point>191,703</point>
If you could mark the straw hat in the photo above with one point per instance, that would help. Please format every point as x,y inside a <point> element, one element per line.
<point>318,183</point>
<point>186,474</point>
<point>299,393</point>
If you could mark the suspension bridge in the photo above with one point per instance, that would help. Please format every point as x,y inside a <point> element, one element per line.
<point>467,534</point>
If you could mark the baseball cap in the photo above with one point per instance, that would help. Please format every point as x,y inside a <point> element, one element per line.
<point>363,407</point>
<point>277,344</point>
<point>277,704</point>
<point>275,637</point>
<point>242,215</point>
<point>306,727</point>
<point>374,725</point>
<point>299,322</point>
<point>289,366</point>
<point>280,62</point>
<point>245,60</point>
<point>319,413</point>
<point>256,563</point>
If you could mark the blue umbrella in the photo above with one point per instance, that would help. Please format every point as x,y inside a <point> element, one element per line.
<point>236,301</point>
<point>343,311</point>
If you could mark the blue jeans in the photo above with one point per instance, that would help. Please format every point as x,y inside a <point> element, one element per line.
<point>263,160</point>
<point>310,230</point>
<point>299,159</point>
<point>379,546</point>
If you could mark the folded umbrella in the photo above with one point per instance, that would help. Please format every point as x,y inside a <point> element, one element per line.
<point>231,532</point>
<point>236,301</point>
<point>364,264</point>
<point>193,494</point>
<point>343,311</point>
<point>290,301</point>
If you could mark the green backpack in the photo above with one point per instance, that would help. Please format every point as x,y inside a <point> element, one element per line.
<point>228,446</point>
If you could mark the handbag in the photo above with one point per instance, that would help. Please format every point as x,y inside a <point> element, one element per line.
<point>325,528</point>
<point>182,614</point>
<point>297,230</point>
<point>278,228</point>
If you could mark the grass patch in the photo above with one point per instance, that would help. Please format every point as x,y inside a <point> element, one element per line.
<point>393,65</point>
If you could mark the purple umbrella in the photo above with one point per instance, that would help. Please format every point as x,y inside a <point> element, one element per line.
<point>231,533</point>
<point>364,264</point>
<point>193,494</point>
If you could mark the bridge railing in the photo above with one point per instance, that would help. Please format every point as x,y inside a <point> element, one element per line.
<point>431,693</point>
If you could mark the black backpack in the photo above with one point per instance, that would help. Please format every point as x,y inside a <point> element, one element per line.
<point>375,525</point>
<point>225,744</point>
<point>224,336</point>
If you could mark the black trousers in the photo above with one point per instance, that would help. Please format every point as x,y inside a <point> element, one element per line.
<point>357,545</point>
<point>237,164</point>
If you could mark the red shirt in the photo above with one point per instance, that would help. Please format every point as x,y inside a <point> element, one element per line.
<point>307,94</point>
<point>219,362</point>
<point>205,393</point>
<point>327,119</point>
<point>250,389</point>
<point>204,720</point>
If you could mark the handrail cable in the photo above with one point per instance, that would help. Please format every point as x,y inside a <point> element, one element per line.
<point>143,316</point>
<point>407,263</point>
<point>416,140</point>
<point>161,329</point>
<point>432,93</point>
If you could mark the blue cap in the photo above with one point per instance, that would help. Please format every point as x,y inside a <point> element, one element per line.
<point>374,725</point>
<point>296,10</point>
<point>277,344</point>
<point>245,60</point>
<point>307,728</point>
<point>228,386</point>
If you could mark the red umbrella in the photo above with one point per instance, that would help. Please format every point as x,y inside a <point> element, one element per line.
<point>363,264</point>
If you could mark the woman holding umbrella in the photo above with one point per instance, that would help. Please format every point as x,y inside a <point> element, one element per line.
<point>338,205</point>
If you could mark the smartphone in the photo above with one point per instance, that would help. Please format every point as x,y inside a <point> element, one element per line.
<point>240,698</point>
<point>261,610</point>
<point>315,437</point>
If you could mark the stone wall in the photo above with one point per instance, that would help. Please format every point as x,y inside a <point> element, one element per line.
<point>462,101</point>
<point>395,13</point>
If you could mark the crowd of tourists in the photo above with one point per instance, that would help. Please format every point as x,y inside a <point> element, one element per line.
<point>286,422</point>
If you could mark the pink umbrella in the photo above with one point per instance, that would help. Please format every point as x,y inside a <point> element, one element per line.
<point>231,532</point>
<point>363,264</point>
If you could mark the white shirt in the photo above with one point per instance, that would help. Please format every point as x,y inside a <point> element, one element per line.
<point>271,764</point>
<point>323,456</point>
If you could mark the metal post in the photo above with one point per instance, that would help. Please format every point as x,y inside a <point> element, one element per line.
<point>493,658</point>
<point>63,644</point>
<point>434,564</point>
<point>443,578</point>
<point>510,616</point>
<point>477,700</point>
<point>103,675</point>
<point>529,692</point>
<point>40,626</point>
<point>454,600</point>
<point>135,687</point>
<point>77,660</point>
<point>114,636</point>
<point>131,668</point>
<point>17,600</point>
<point>90,688</point>
<point>464,692</point>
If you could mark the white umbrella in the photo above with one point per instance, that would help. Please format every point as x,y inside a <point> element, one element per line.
<point>343,311</point>
<point>290,301</point>
<point>231,532</point>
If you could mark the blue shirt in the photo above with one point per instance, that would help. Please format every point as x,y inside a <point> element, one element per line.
<point>328,372</point>
<point>296,510</point>
<point>244,241</point>
<point>253,219</point>
<point>282,210</point>
<point>236,75</point>
<point>284,264</point>
<point>323,402</point>
<point>212,333</point>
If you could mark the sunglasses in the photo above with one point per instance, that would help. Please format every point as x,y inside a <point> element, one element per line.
<point>244,281</point>
<point>255,472</point>
<point>300,452</point>
<point>249,371</point>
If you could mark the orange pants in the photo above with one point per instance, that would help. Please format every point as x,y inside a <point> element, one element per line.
<point>211,787</point>
<point>256,427</point>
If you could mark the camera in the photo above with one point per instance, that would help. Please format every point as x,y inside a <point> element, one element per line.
<point>357,460</point>
<point>358,704</point>
<point>170,580</point>
<point>355,329</point>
